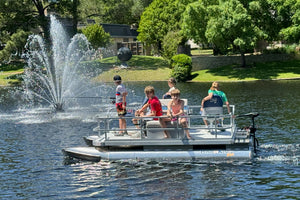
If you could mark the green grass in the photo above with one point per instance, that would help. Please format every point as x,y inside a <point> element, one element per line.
<point>141,68</point>
<point>198,52</point>
<point>9,73</point>
<point>260,71</point>
<point>147,68</point>
<point>8,77</point>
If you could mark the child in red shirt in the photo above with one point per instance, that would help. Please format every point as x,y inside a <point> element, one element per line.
<point>155,106</point>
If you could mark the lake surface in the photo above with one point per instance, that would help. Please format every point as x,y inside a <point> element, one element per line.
<point>32,165</point>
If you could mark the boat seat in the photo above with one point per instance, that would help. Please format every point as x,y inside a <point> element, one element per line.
<point>213,108</point>
<point>155,131</point>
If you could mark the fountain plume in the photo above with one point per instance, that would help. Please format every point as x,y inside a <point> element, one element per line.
<point>57,72</point>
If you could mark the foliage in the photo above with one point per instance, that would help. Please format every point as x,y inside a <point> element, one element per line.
<point>115,11</point>
<point>291,33</point>
<point>170,44</point>
<point>96,36</point>
<point>226,24</point>
<point>181,67</point>
<point>30,14</point>
<point>159,18</point>
<point>15,46</point>
<point>17,14</point>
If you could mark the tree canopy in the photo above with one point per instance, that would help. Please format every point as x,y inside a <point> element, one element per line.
<point>158,19</point>
<point>96,36</point>
<point>236,25</point>
<point>113,11</point>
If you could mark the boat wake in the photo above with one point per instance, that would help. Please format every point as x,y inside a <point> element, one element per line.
<point>285,153</point>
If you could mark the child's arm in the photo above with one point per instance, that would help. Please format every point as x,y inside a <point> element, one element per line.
<point>124,94</point>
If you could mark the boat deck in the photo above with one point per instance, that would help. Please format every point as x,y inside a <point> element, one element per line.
<point>200,136</point>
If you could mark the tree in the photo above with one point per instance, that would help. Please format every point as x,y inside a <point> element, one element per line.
<point>16,14</point>
<point>30,14</point>
<point>195,19</point>
<point>114,11</point>
<point>158,19</point>
<point>96,36</point>
<point>14,46</point>
<point>291,31</point>
<point>227,25</point>
<point>170,44</point>
<point>67,8</point>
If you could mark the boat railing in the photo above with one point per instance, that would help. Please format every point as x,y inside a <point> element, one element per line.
<point>109,123</point>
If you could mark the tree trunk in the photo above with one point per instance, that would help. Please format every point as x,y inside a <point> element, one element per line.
<point>243,59</point>
<point>42,19</point>
<point>75,15</point>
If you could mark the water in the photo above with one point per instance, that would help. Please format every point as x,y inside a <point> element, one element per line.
<point>58,72</point>
<point>32,165</point>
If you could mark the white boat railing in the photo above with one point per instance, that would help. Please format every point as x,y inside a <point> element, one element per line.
<point>109,123</point>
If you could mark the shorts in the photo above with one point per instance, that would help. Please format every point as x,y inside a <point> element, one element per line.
<point>178,118</point>
<point>120,110</point>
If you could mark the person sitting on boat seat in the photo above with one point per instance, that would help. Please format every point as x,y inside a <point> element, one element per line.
<point>176,111</point>
<point>156,109</point>
<point>171,84</point>
<point>214,91</point>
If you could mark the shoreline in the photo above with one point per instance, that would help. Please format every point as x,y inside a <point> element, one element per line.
<point>279,79</point>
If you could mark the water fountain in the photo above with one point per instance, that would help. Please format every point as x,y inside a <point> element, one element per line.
<point>55,74</point>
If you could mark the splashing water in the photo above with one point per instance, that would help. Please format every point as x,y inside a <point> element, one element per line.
<point>56,73</point>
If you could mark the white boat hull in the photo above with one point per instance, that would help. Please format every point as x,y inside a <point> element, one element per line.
<point>92,154</point>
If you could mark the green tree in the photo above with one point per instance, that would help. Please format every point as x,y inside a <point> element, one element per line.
<point>170,44</point>
<point>291,31</point>
<point>158,19</point>
<point>96,36</point>
<point>195,19</point>
<point>114,11</point>
<point>15,46</point>
<point>67,8</point>
<point>227,25</point>
<point>16,14</point>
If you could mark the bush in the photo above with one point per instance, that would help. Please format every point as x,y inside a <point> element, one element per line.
<point>170,44</point>
<point>181,67</point>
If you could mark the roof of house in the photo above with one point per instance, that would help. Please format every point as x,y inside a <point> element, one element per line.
<point>120,30</point>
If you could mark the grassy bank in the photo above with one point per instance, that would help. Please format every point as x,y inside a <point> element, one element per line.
<point>140,68</point>
<point>9,73</point>
<point>260,71</point>
<point>146,68</point>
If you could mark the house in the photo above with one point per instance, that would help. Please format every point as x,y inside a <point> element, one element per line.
<point>124,36</point>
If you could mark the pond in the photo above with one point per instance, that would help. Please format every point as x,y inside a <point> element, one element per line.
<point>32,165</point>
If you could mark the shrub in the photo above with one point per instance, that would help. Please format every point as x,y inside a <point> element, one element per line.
<point>181,67</point>
<point>170,44</point>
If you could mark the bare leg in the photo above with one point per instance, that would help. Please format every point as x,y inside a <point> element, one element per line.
<point>163,125</point>
<point>185,125</point>
<point>122,125</point>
